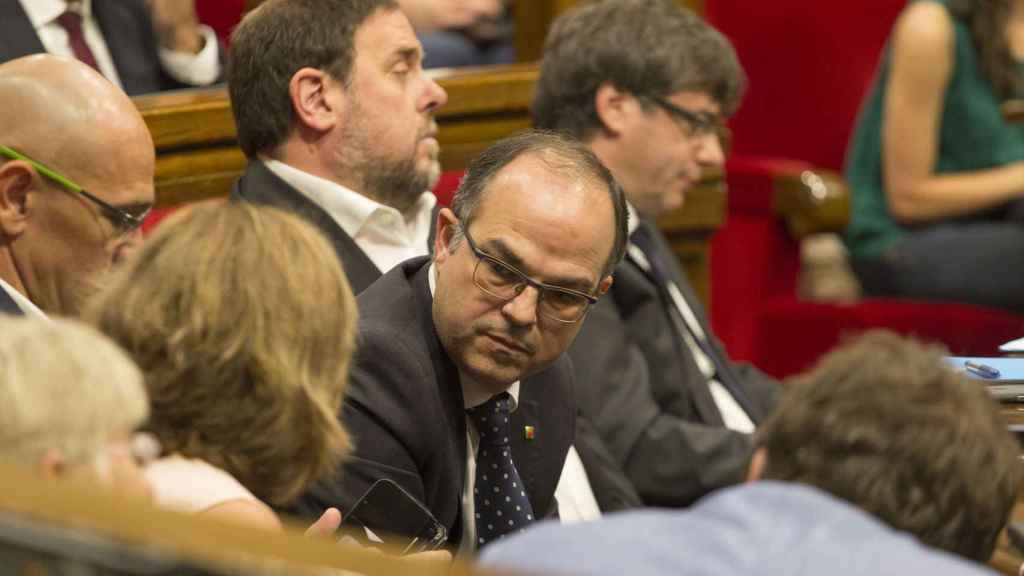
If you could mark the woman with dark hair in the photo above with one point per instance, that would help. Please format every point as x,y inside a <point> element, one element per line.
<point>937,173</point>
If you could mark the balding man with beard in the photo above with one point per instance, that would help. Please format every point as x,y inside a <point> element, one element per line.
<point>76,181</point>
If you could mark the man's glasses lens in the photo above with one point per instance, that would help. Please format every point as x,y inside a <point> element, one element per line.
<point>502,281</point>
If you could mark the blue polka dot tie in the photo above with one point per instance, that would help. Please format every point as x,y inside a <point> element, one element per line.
<point>499,495</point>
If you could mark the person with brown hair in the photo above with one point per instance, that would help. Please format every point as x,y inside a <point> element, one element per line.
<point>937,173</point>
<point>645,85</point>
<point>243,323</point>
<point>337,118</point>
<point>880,441</point>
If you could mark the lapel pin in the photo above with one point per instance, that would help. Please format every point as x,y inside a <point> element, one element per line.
<point>529,432</point>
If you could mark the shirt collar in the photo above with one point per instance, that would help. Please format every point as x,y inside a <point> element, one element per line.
<point>26,305</point>
<point>43,12</point>
<point>471,397</point>
<point>634,218</point>
<point>350,209</point>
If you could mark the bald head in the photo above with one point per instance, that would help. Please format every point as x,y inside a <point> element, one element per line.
<point>58,106</point>
<point>62,114</point>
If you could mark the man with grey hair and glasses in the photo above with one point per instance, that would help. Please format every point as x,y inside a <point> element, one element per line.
<point>460,390</point>
<point>646,85</point>
<point>76,181</point>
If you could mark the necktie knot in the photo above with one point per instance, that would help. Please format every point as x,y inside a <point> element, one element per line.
<point>71,21</point>
<point>491,419</point>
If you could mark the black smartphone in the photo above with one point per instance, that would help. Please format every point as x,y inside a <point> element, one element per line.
<point>387,514</point>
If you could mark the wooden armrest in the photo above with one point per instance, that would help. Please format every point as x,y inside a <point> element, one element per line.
<point>812,201</point>
<point>1013,111</point>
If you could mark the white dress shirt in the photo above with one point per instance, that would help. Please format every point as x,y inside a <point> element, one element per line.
<point>383,233</point>
<point>26,305</point>
<point>195,69</point>
<point>733,415</point>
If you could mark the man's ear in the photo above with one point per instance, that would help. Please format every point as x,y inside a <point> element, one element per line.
<point>447,225</point>
<point>757,463</point>
<point>315,105</point>
<point>614,108</point>
<point>605,284</point>
<point>18,184</point>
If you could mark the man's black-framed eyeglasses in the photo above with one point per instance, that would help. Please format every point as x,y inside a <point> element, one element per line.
<point>505,282</point>
<point>125,221</point>
<point>699,123</point>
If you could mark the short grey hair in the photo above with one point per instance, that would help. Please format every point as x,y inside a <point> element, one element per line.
<point>64,386</point>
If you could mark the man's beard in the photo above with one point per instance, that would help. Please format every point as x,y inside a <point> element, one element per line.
<point>395,183</point>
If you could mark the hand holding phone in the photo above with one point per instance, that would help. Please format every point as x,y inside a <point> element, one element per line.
<point>387,514</point>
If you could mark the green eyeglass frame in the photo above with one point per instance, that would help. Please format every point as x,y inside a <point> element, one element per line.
<point>124,220</point>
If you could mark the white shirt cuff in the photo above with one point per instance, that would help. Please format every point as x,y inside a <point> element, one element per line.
<point>196,69</point>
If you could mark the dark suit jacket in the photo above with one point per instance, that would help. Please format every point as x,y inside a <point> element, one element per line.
<point>405,411</point>
<point>641,387</point>
<point>8,305</point>
<point>127,30</point>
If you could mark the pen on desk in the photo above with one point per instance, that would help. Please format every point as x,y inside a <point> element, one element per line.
<point>983,370</point>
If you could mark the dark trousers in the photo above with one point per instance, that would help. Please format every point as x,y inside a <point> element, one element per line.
<point>973,262</point>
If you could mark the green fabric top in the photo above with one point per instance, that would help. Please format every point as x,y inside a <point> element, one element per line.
<point>972,136</point>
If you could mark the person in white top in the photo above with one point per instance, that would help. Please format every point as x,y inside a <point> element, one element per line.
<point>76,181</point>
<point>139,46</point>
<point>337,122</point>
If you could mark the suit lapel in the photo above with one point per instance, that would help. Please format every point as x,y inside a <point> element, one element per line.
<point>17,36</point>
<point>445,373</point>
<point>8,305</point>
<point>261,186</point>
<point>526,452</point>
<point>700,396</point>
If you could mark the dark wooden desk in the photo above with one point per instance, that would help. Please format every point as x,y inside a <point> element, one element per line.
<point>198,155</point>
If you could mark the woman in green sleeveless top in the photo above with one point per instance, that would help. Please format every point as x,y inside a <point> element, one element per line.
<point>937,174</point>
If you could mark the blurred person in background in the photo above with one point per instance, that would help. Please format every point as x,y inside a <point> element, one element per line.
<point>140,46</point>
<point>881,460</point>
<point>937,173</point>
<point>70,402</point>
<point>462,32</point>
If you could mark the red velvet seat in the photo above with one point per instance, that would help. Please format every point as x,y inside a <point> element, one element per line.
<point>810,63</point>
<point>221,15</point>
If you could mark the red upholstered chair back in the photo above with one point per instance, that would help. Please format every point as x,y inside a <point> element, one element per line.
<point>221,15</point>
<point>810,63</point>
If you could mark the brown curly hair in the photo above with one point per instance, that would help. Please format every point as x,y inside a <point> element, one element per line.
<point>243,322</point>
<point>885,424</point>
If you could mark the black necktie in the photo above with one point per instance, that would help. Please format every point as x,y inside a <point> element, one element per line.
<point>643,239</point>
<point>499,496</point>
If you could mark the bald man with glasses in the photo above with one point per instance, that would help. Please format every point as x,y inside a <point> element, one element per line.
<point>76,182</point>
